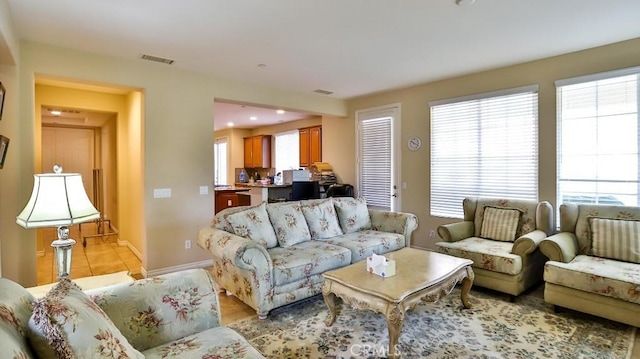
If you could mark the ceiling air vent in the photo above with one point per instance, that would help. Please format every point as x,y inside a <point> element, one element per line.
<point>323,92</point>
<point>157,59</point>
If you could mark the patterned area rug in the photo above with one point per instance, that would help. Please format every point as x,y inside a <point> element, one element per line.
<point>492,328</point>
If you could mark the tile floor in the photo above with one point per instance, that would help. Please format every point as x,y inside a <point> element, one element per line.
<point>102,255</point>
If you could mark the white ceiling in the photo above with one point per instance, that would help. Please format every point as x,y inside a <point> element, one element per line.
<point>349,47</point>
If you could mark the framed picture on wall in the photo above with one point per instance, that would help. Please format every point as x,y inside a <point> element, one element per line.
<point>4,145</point>
<point>2,92</point>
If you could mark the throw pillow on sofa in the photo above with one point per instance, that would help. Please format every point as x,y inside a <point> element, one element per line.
<point>253,223</point>
<point>75,327</point>
<point>615,238</point>
<point>289,223</point>
<point>353,214</point>
<point>500,224</point>
<point>322,219</point>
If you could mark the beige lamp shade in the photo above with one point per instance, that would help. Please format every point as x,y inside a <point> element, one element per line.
<point>58,199</point>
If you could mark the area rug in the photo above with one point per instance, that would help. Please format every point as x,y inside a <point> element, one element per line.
<point>492,328</point>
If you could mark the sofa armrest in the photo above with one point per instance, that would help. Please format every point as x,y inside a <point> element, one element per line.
<point>528,243</point>
<point>454,232</point>
<point>561,247</point>
<point>394,222</point>
<point>239,251</point>
<point>154,311</point>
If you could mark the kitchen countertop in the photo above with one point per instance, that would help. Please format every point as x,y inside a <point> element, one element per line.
<point>258,185</point>
<point>230,189</point>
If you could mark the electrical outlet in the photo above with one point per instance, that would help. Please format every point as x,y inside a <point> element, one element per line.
<point>432,234</point>
<point>187,244</point>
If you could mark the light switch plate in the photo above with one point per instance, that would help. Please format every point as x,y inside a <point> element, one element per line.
<point>204,189</point>
<point>162,193</point>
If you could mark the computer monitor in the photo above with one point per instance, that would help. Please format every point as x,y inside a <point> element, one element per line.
<point>305,190</point>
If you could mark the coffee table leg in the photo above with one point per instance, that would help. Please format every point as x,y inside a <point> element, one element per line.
<point>395,319</point>
<point>466,287</point>
<point>330,301</point>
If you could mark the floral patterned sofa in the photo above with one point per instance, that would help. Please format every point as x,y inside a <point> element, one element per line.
<point>274,254</point>
<point>501,237</point>
<point>172,315</point>
<point>594,261</point>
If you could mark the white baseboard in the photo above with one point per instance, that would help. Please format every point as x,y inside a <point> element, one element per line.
<point>153,273</point>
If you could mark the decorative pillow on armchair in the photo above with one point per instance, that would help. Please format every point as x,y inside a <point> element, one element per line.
<point>75,327</point>
<point>321,218</point>
<point>615,238</point>
<point>289,223</point>
<point>253,223</point>
<point>500,224</point>
<point>353,214</point>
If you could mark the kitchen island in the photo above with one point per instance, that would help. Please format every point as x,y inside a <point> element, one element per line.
<point>228,196</point>
<point>270,193</point>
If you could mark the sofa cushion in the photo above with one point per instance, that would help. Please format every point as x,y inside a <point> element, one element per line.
<point>353,214</point>
<point>306,259</point>
<point>153,311</point>
<point>500,224</point>
<point>321,218</point>
<point>364,243</point>
<point>220,221</point>
<point>253,223</point>
<point>289,223</point>
<point>608,277</point>
<point>615,239</point>
<point>75,327</point>
<point>15,309</point>
<point>219,342</point>
<point>485,253</point>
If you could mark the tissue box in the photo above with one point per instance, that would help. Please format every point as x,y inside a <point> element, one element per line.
<point>381,269</point>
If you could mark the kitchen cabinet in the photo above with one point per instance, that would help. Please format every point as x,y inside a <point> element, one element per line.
<point>225,198</point>
<point>257,151</point>
<point>310,145</point>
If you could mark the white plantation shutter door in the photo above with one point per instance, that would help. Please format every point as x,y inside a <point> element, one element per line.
<point>375,161</point>
<point>484,145</point>
<point>598,138</point>
<point>220,165</point>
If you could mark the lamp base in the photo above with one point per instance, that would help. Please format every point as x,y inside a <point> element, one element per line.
<point>63,248</point>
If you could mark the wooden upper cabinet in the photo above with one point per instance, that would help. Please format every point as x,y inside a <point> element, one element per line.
<point>310,145</point>
<point>257,151</point>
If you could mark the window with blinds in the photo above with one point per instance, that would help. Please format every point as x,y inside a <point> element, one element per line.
<point>287,149</point>
<point>484,145</point>
<point>598,138</point>
<point>375,161</point>
<point>220,161</point>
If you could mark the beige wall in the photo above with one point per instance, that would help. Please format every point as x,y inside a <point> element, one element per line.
<point>415,120</point>
<point>174,143</point>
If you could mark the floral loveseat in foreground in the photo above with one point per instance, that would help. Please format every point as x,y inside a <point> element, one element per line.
<point>594,262</point>
<point>173,315</point>
<point>274,254</point>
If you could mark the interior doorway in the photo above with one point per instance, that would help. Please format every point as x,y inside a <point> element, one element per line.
<point>94,131</point>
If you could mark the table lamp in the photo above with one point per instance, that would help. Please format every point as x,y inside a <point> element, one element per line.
<point>58,200</point>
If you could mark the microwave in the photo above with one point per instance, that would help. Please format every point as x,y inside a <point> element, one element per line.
<point>290,176</point>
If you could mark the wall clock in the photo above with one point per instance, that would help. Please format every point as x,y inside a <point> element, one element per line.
<point>414,143</point>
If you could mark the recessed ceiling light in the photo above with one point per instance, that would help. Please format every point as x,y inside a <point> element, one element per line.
<point>56,112</point>
<point>280,112</point>
<point>465,2</point>
<point>229,124</point>
<point>253,118</point>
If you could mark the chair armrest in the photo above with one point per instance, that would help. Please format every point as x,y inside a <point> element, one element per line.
<point>394,222</point>
<point>561,247</point>
<point>454,232</point>
<point>528,243</point>
<point>241,252</point>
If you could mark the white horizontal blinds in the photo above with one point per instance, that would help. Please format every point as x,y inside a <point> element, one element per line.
<point>287,150</point>
<point>220,164</point>
<point>598,138</point>
<point>484,146</point>
<point>375,161</point>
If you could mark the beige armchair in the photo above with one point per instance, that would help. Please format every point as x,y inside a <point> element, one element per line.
<point>502,238</point>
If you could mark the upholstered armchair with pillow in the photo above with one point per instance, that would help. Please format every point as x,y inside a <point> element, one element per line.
<point>594,261</point>
<point>501,237</point>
